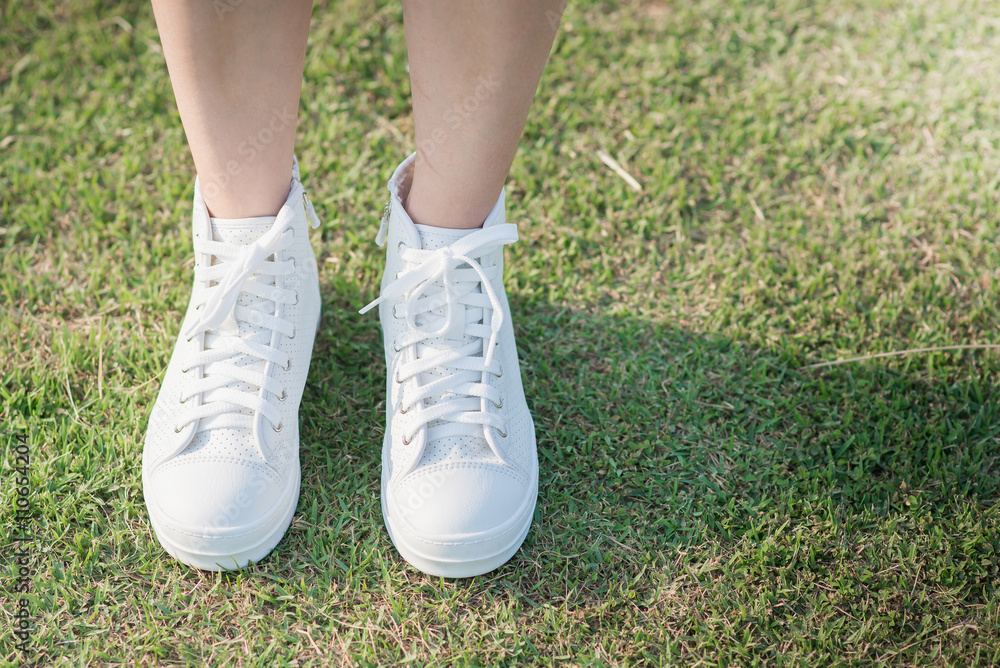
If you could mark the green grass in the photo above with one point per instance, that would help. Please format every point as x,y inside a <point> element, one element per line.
<point>819,181</point>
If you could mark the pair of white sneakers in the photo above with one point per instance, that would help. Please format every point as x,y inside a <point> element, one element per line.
<point>220,465</point>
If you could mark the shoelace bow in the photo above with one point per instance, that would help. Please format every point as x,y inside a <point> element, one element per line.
<point>235,272</point>
<point>447,279</point>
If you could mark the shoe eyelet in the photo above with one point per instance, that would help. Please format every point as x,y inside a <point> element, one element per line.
<point>177,429</point>
<point>503,434</point>
<point>284,395</point>
<point>498,375</point>
<point>278,428</point>
<point>405,441</point>
<point>395,377</point>
<point>296,298</point>
<point>394,314</point>
<point>289,366</point>
<point>293,334</point>
<point>498,405</point>
<point>395,347</point>
<point>400,246</point>
<point>185,370</point>
<point>181,399</point>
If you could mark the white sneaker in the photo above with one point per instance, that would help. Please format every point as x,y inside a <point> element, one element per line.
<point>220,467</point>
<point>459,463</point>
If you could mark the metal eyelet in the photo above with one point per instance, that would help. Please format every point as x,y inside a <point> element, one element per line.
<point>284,395</point>
<point>395,377</point>
<point>402,411</point>
<point>498,375</point>
<point>185,370</point>
<point>395,347</point>
<point>296,298</point>
<point>394,314</point>
<point>177,429</point>
<point>400,246</point>
<point>286,368</point>
<point>181,399</point>
<point>293,334</point>
<point>278,428</point>
<point>406,442</point>
<point>503,434</point>
<point>498,405</point>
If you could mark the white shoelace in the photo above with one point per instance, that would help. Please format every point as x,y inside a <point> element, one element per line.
<point>445,386</point>
<point>229,387</point>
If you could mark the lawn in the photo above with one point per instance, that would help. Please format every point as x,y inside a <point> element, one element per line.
<point>817,181</point>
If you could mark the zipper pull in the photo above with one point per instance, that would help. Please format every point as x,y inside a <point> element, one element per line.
<point>310,211</point>
<point>383,228</point>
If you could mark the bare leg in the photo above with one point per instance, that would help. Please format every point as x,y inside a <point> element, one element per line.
<point>474,69</point>
<point>236,68</point>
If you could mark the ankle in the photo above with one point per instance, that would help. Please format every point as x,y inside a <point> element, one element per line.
<point>249,196</point>
<point>438,208</point>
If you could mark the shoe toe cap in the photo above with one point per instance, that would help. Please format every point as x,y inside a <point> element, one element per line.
<point>459,502</point>
<point>212,497</point>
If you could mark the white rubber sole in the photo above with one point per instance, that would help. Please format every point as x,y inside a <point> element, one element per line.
<point>471,555</point>
<point>246,545</point>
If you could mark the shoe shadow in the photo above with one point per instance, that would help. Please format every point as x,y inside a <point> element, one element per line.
<point>651,439</point>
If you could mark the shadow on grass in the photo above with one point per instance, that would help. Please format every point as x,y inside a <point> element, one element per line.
<point>655,442</point>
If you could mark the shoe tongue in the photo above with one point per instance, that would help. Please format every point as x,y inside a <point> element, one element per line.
<point>432,238</point>
<point>452,449</point>
<point>240,231</point>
